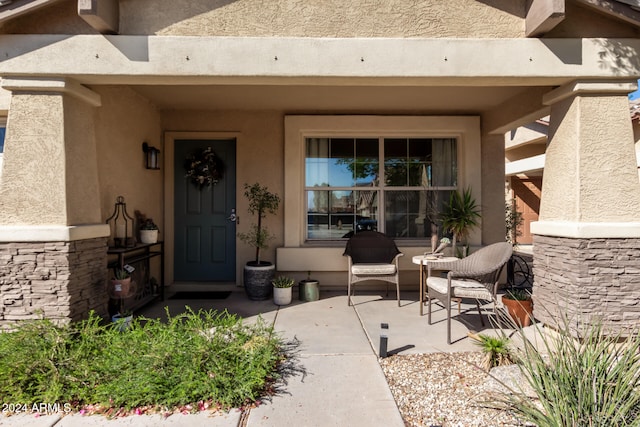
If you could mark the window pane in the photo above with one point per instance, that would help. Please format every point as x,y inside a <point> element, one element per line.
<point>341,166</point>
<point>336,214</point>
<point>317,162</point>
<point>414,213</point>
<point>445,167</point>
<point>366,162</point>
<point>366,210</point>
<point>419,162</point>
<point>330,214</point>
<point>395,162</point>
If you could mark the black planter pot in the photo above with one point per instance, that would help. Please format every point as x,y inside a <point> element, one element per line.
<point>257,280</point>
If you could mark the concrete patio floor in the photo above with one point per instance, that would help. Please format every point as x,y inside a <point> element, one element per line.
<point>324,321</point>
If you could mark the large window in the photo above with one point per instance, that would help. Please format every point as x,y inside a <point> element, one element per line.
<point>393,185</point>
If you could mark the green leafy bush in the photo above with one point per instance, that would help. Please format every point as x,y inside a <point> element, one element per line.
<point>193,357</point>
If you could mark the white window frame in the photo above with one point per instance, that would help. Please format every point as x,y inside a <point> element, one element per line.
<point>466,129</point>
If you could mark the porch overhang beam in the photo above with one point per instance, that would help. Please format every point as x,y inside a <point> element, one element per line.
<point>543,16</point>
<point>616,9</point>
<point>21,7</point>
<point>102,15</point>
<point>151,60</point>
<point>520,110</point>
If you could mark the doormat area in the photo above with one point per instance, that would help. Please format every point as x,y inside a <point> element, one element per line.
<point>200,295</point>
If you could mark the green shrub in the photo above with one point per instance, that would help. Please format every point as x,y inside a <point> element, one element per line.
<point>495,349</point>
<point>590,381</point>
<point>193,357</point>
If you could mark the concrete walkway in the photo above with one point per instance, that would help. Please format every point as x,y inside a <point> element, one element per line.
<point>338,381</point>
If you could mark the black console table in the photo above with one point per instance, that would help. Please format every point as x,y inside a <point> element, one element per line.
<point>138,256</point>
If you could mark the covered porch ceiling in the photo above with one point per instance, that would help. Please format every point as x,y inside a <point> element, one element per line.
<point>324,98</point>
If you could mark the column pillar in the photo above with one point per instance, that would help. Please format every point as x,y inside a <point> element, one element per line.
<point>587,239</point>
<point>52,242</point>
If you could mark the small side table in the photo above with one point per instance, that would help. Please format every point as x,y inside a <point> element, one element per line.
<point>423,261</point>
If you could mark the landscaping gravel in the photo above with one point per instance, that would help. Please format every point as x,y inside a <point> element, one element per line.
<point>443,389</point>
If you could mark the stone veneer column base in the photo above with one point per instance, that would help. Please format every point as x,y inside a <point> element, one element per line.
<point>60,281</point>
<point>587,280</point>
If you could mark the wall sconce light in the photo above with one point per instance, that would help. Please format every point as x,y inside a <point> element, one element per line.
<point>152,156</point>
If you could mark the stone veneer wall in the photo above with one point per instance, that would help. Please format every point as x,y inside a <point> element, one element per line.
<point>588,280</point>
<point>61,281</point>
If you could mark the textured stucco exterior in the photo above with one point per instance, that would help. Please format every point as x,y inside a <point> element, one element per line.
<point>590,153</point>
<point>331,18</point>
<point>34,155</point>
<point>123,123</point>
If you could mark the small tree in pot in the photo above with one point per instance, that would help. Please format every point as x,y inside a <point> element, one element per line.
<point>258,274</point>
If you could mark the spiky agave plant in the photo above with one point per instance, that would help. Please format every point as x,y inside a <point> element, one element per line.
<point>460,216</point>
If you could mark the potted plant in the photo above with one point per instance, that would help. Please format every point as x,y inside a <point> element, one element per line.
<point>258,274</point>
<point>282,290</point>
<point>308,289</point>
<point>148,231</point>
<point>460,216</point>
<point>121,283</point>
<point>519,305</point>
<point>121,289</point>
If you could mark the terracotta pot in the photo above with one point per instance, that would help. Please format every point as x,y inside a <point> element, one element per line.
<point>121,288</point>
<point>520,311</point>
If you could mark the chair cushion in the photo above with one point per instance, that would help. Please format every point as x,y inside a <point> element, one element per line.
<point>373,269</point>
<point>460,288</point>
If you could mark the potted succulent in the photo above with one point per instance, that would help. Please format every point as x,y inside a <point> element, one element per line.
<point>460,216</point>
<point>519,304</point>
<point>258,274</point>
<point>148,231</point>
<point>282,290</point>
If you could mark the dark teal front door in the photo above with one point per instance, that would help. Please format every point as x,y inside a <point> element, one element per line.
<point>205,236</point>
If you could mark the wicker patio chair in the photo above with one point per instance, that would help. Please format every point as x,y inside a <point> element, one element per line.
<point>372,256</point>
<point>475,276</point>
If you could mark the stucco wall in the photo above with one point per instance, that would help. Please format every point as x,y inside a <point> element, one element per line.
<point>591,153</point>
<point>332,18</point>
<point>123,122</point>
<point>35,193</point>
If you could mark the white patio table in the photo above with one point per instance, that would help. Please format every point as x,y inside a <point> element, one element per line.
<point>423,261</point>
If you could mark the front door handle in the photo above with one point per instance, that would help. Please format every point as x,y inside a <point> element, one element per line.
<point>233,217</point>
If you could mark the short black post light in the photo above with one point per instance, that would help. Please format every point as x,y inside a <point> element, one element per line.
<point>121,225</point>
<point>384,329</point>
<point>152,156</point>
